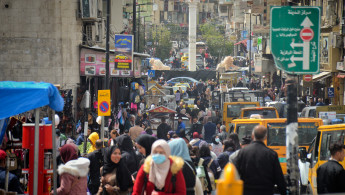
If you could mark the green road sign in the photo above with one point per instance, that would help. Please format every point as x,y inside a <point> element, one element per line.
<point>295,38</point>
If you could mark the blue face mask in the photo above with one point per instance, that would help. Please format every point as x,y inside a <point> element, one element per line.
<point>217,140</point>
<point>158,158</point>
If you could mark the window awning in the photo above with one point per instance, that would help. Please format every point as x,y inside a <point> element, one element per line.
<point>321,75</point>
<point>341,75</point>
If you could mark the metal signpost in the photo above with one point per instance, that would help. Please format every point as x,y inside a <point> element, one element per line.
<point>294,34</point>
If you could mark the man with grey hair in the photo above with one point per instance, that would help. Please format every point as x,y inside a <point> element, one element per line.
<point>259,166</point>
<point>223,135</point>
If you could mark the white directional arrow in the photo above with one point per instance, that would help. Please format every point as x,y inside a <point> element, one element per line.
<point>293,45</point>
<point>307,23</point>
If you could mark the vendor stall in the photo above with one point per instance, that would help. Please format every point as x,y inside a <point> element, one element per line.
<point>156,114</point>
<point>20,97</point>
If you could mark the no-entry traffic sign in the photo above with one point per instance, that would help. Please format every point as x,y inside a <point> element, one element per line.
<point>104,103</point>
<point>307,77</point>
<point>307,34</point>
<point>295,37</point>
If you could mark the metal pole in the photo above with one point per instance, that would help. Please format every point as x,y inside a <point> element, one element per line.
<point>138,40</point>
<point>134,24</point>
<point>54,153</point>
<point>106,85</point>
<point>86,122</point>
<point>292,137</point>
<point>36,152</point>
<point>250,46</point>
<point>102,128</point>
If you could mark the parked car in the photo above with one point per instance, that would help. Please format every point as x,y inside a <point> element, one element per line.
<point>175,80</point>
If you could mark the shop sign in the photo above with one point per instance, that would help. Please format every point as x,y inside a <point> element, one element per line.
<point>92,63</point>
<point>123,52</point>
<point>330,92</point>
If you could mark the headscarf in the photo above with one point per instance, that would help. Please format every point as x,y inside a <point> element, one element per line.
<point>125,143</point>
<point>68,153</point>
<point>122,173</point>
<point>195,135</point>
<point>214,140</point>
<point>159,172</point>
<point>93,137</point>
<point>146,141</point>
<point>171,133</point>
<point>179,148</point>
<point>203,143</point>
<point>182,133</point>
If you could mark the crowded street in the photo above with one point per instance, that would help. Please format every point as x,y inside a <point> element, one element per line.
<point>187,97</point>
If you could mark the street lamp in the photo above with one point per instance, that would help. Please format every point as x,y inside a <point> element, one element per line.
<point>250,42</point>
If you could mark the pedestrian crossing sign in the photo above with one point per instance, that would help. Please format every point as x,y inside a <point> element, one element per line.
<point>151,73</point>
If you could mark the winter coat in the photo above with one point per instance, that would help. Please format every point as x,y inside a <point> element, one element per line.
<point>259,169</point>
<point>96,162</point>
<point>73,177</point>
<point>330,178</point>
<point>110,179</point>
<point>13,182</point>
<point>189,173</point>
<point>210,130</point>
<point>176,164</point>
<point>214,167</point>
<point>223,159</point>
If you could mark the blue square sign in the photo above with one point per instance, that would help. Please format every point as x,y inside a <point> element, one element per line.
<point>330,92</point>
<point>151,73</point>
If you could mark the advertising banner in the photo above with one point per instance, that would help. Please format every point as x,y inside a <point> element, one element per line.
<point>124,52</point>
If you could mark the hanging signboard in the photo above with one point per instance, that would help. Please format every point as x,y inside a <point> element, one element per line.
<point>123,52</point>
<point>104,103</point>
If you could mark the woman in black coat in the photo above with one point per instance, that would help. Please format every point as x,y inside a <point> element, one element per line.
<point>129,157</point>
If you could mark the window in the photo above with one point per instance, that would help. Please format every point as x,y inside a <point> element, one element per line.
<point>244,130</point>
<point>327,139</point>
<point>235,110</point>
<point>276,134</point>
<point>312,113</point>
<point>263,113</point>
<point>306,132</point>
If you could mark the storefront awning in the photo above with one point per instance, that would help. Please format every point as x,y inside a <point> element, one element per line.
<point>321,75</point>
<point>341,75</point>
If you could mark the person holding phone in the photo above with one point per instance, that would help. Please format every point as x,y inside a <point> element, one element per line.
<point>116,178</point>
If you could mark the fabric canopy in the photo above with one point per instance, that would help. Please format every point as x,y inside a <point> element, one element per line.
<point>19,97</point>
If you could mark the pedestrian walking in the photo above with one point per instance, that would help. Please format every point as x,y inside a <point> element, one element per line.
<point>135,131</point>
<point>179,148</point>
<point>259,166</point>
<point>116,178</point>
<point>160,174</point>
<point>129,157</point>
<point>163,129</point>
<point>331,175</point>
<point>96,162</point>
<point>244,143</point>
<point>73,173</point>
<point>210,130</point>
<point>228,149</point>
<point>13,181</point>
<point>144,143</point>
<point>93,137</point>
<point>217,146</point>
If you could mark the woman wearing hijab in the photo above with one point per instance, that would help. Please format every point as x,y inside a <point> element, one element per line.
<point>170,135</point>
<point>234,137</point>
<point>179,148</point>
<point>217,146</point>
<point>229,148</point>
<point>144,144</point>
<point>93,137</point>
<point>73,173</point>
<point>161,173</point>
<point>116,178</point>
<point>129,157</point>
<point>211,164</point>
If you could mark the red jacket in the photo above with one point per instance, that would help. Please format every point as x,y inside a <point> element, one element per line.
<point>176,165</point>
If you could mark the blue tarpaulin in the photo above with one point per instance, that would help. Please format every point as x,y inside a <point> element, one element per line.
<point>19,97</point>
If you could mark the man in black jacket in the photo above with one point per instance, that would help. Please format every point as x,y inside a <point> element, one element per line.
<point>259,166</point>
<point>163,129</point>
<point>96,162</point>
<point>331,175</point>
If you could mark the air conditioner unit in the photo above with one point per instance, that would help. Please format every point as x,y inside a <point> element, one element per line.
<point>88,10</point>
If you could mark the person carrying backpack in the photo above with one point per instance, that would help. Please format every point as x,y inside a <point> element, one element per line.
<point>161,173</point>
<point>212,166</point>
<point>229,148</point>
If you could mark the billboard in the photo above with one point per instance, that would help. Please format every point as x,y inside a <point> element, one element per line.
<point>123,52</point>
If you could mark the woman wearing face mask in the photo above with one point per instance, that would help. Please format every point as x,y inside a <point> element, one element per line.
<point>217,146</point>
<point>116,179</point>
<point>160,174</point>
<point>73,173</point>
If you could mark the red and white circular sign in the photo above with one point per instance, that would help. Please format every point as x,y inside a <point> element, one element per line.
<point>306,34</point>
<point>308,77</point>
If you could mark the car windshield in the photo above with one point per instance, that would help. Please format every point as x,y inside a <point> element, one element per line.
<point>268,113</point>
<point>244,130</point>
<point>234,110</point>
<point>277,133</point>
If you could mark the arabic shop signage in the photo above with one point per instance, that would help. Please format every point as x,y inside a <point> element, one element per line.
<point>123,52</point>
<point>295,38</point>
